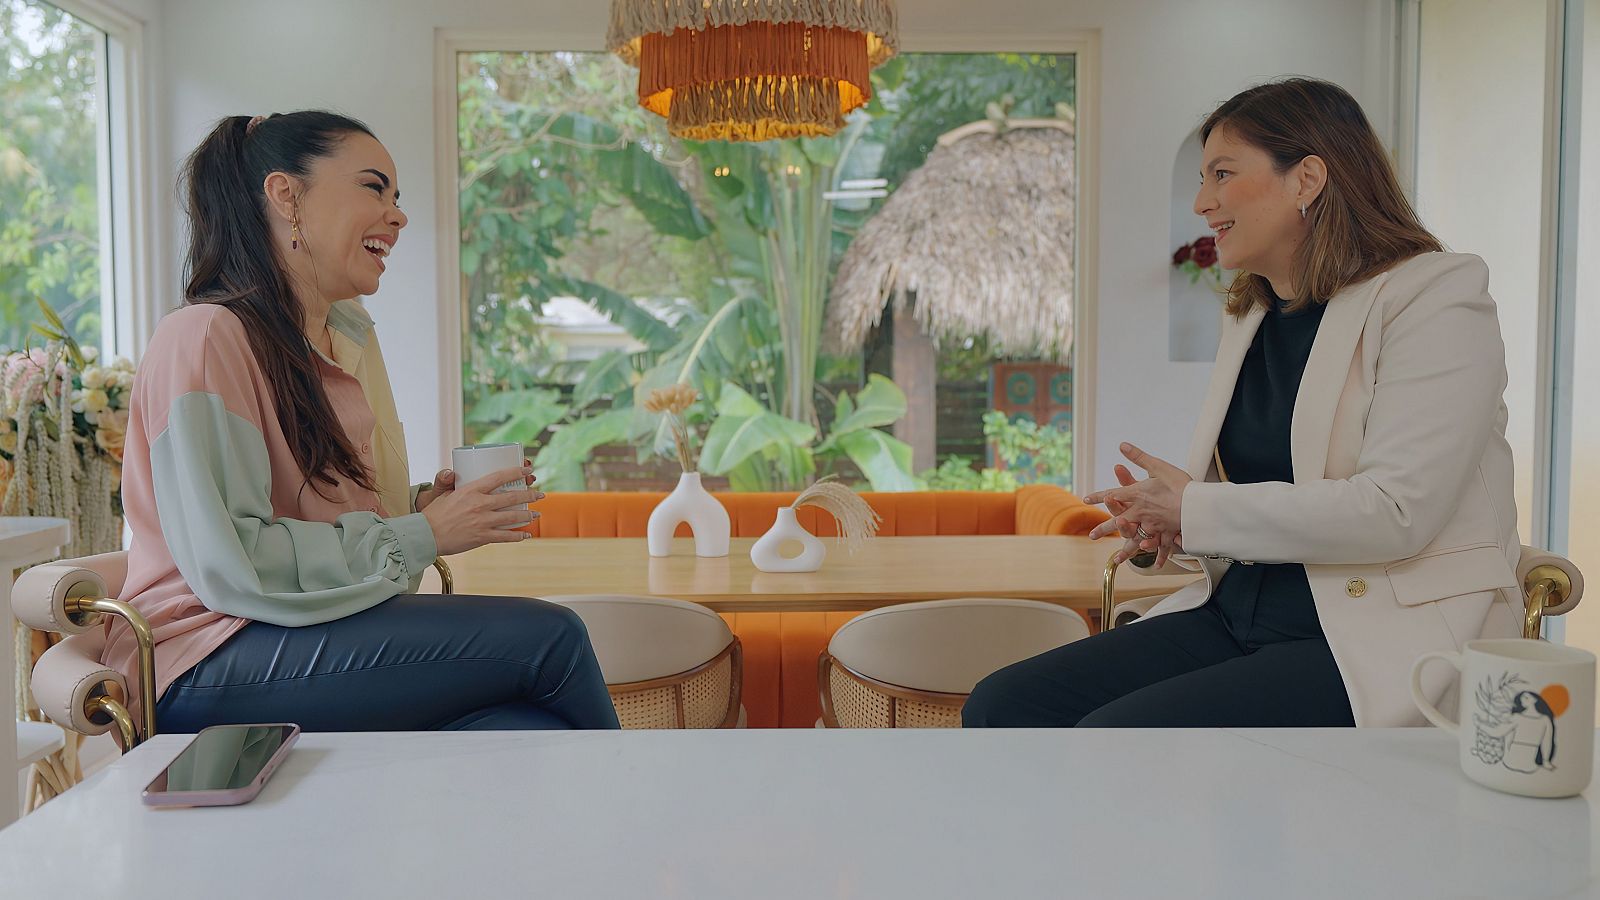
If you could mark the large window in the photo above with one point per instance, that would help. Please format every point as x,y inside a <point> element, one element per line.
<point>54,176</point>
<point>601,257</point>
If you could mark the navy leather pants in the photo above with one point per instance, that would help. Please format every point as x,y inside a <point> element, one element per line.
<point>412,663</point>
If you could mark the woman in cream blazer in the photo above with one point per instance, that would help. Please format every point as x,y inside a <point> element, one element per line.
<point>1396,494</point>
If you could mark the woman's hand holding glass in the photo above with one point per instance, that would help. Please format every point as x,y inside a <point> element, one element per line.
<point>1148,514</point>
<point>472,514</point>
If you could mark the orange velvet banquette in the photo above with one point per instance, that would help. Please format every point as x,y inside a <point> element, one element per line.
<point>780,649</point>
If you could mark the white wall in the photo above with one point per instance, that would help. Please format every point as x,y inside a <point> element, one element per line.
<point>1164,65</point>
<point>1483,193</point>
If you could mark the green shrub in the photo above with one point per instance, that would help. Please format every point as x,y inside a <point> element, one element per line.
<point>1032,453</point>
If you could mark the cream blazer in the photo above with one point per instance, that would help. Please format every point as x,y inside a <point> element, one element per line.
<point>1402,507</point>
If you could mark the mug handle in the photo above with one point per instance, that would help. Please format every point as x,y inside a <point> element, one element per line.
<point>1428,709</point>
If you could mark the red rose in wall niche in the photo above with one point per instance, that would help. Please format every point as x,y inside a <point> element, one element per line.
<point>1199,259</point>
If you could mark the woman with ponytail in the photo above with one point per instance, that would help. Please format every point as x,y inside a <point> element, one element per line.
<point>276,542</point>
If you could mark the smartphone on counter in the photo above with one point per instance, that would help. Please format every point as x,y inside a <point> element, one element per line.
<point>224,765</point>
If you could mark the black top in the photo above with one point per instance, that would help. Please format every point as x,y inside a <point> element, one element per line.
<point>1267,603</point>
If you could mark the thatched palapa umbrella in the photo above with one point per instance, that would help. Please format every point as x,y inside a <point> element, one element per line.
<point>978,241</point>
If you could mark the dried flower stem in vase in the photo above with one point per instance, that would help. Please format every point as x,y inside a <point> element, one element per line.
<point>857,520</point>
<point>673,402</point>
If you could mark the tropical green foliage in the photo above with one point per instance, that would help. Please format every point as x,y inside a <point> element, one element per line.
<point>49,214</point>
<point>1032,454</point>
<point>716,258</point>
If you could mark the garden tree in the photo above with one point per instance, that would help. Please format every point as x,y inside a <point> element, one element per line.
<point>924,95</point>
<point>716,257</point>
<point>49,219</point>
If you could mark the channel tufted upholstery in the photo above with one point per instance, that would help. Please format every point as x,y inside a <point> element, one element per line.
<point>781,649</point>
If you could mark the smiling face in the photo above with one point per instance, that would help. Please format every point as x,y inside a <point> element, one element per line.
<point>1253,210</point>
<point>349,212</point>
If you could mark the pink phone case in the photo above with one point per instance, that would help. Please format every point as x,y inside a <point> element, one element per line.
<point>230,796</point>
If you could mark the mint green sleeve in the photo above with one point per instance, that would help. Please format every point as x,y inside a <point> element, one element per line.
<point>212,482</point>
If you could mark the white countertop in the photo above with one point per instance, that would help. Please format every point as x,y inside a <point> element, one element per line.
<point>811,813</point>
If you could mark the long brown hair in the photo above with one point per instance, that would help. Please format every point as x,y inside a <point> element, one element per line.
<point>233,263</point>
<point>1361,224</point>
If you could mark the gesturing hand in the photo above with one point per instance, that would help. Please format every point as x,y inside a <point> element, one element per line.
<point>1149,513</point>
<point>1132,543</point>
<point>473,515</point>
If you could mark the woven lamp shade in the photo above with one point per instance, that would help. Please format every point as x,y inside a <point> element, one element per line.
<point>753,70</point>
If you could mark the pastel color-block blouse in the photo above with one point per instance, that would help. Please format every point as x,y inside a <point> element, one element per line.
<point>226,530</point>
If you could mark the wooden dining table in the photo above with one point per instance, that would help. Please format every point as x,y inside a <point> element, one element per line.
<point>882,572</point>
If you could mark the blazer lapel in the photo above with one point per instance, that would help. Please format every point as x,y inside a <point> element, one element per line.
<point>1323,381</point>
<point>1236,338</point>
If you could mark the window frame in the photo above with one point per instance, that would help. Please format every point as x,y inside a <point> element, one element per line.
<point>125,174</point>
<point>1083,44</point>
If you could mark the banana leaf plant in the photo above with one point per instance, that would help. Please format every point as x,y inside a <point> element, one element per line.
<point>535,182</point>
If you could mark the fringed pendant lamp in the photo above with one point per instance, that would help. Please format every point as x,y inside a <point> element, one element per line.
<point>753,70</point>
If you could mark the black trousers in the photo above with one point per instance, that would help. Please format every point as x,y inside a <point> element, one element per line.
<point>1180,670</point>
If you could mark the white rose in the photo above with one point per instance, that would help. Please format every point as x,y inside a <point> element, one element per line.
<point>122,364</point>
<point>90,354</point>
<point>95,377</point>
<point>124,379</point>
<point>90,402</point>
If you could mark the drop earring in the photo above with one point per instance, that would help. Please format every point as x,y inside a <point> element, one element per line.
<point>1302,211</point>
<point>294,231</point>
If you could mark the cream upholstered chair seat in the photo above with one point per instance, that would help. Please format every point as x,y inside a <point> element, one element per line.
<point>912,665</point>
<point>667,663</point>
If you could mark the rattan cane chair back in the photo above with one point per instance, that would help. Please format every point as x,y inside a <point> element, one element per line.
<point>667,663</point>
<point>912,665</point>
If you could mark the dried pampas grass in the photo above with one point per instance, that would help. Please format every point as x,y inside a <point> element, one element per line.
<point>857,520</point>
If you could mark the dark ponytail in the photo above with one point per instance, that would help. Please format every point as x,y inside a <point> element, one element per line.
<point>234,264</point>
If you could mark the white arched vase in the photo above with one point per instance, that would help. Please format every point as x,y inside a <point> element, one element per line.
<point>689,502</point>
<point>764,553</point>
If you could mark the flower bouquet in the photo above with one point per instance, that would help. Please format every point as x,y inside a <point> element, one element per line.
<point>63,421</point>
<point>1199,259</point>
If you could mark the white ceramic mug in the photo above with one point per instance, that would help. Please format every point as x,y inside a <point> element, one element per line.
<point>1526,719</point>
<point>478,460</point>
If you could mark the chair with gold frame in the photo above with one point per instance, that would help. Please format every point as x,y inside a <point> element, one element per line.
<point>667,663</point>
<point>912,665</point>
<point>70,686</point>
<point>1551,586</point>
